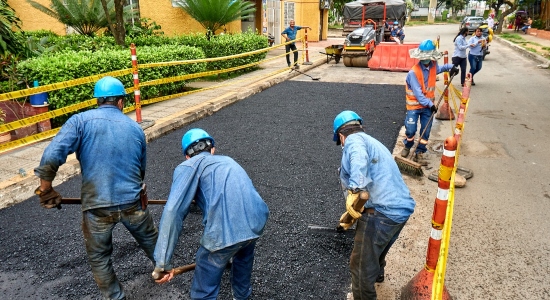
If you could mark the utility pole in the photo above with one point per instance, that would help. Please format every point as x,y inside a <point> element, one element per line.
<point>431,11</point>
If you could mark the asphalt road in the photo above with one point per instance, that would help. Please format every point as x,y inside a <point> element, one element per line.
<point>283,138</point>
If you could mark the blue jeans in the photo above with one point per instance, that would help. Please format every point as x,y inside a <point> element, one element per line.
<point>97,227</point>
<point>411,120</point>
<point>374,236</point>
<point>288,48</point>
<point>211,265</point>
<point>476,61</point>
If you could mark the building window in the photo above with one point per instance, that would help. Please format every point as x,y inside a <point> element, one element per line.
<point>289,12</point>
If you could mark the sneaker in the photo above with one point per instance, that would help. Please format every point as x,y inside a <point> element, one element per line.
<point>296,66</point>
<point>405,152</point>
<point>380,278</point>
<point>421,159</point>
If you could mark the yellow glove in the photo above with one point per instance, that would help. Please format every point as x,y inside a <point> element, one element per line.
<point>351,199</point>
<point>346,226</point>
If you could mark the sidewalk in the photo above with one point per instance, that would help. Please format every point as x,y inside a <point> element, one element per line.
<point>17,180</point>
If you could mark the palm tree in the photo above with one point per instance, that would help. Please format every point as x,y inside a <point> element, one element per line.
<point>8,21</point>
<point>85,16</point>
<point>214,14</point>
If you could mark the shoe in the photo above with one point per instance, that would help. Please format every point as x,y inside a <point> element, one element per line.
<point>380,278</point>
<point>419,158</point>
<point>473,83</point>
<point>405,152</point>
<point>296,66</point>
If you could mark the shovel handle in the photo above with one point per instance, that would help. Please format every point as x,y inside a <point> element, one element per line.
<point>177,271</point>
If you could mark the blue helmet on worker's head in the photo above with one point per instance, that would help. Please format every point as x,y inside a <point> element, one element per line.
<point>194,136</point>
<point>109,87</point>
<point>341,119</point>
<point>427,50</point>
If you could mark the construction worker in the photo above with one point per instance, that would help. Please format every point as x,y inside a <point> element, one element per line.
<point>397,33</point>
<point>234,216</point>
<point>420,97</point>
<point>290,34</point>
<point>111,150</point>
<point>367,165</point>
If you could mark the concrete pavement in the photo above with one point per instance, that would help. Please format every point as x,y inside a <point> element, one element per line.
<point>17,180</point>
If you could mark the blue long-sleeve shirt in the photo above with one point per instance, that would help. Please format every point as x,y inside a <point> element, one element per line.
<point>460,47</point>
<point>476,49</point>
<point>112,152</point>
<point>233,211</point>
<point>368,165</point>
<point>414,84</point>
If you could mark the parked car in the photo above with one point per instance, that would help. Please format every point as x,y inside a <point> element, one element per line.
<point>471,23</point>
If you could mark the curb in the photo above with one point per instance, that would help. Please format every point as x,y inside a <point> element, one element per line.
<point>18,189</point>
<point>524,52</point>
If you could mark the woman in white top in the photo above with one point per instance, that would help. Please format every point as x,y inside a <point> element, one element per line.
<point>459,55</point>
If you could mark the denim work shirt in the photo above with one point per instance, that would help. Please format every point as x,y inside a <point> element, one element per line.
<point>233,211</point>
<point>368,165</point>
<point>291,33</point>
<point>414,85</point>
<point>460,47</point>
<point>111,150</point>
<point>476,50</point>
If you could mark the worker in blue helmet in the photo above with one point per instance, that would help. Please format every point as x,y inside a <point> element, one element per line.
<point>234,217</point>
<point>112,153</point>
<point>397,33</point>
<point>420,97</point>
<point>367,165</point>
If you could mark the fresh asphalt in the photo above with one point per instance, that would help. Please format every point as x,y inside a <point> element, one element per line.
<point>283,139</point>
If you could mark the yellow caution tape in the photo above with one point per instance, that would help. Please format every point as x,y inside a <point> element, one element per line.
<point>28,140</point>
<point>61,85</point>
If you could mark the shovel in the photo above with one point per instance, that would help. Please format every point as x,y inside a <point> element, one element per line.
<point>314,78</point>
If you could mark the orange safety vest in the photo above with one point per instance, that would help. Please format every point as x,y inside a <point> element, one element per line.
<point>429,92</point>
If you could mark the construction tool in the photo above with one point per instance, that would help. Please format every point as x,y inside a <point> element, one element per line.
<point>177,271</point>
<point>407,165</point>
<point>314,78</point>
<point>347,218</point>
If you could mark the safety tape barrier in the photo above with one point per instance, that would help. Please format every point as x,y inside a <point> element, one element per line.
<point>92,102</point>
<point>28,140</point>
<point>441,268</point>
<point>61,85</point>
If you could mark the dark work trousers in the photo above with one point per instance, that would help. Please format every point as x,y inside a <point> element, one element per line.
<point>293,48</point>
<point>463,63</point>
<point>97,227</point>
<point>374,236</point>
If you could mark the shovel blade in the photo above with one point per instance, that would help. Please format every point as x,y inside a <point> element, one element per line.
<point>315,229</point>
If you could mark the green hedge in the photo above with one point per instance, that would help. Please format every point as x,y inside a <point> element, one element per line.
<point>71,64</point>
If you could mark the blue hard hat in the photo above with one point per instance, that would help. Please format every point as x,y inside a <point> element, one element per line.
<point>396,23</point>
<point>192,136</point>
<point>343,118</point>
<point>108,87</point>
<point>427,45</point>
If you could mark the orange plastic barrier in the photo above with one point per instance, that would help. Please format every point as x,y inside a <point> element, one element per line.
<point>393,57</point>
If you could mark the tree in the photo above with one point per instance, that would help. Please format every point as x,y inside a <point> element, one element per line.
<point>496,4</point>
<point>8,21</point>
<point>118,29</point>
<point>214,14</point>
<point>86,16</point>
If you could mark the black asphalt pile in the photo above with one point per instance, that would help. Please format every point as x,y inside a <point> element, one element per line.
<point>283,139</point>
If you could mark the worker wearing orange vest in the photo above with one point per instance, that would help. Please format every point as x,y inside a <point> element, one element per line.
<point>420,96</point>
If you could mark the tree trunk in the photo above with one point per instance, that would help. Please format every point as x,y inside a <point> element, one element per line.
<point>117,29</point>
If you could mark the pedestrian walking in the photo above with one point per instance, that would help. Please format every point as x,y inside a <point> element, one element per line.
<point>234,217</point>
<point>475,56</point>
<point>420,97</point>
<point>111,150</point>
<point>368,166</point>
<point>290,34</point>
<point>459,55</point>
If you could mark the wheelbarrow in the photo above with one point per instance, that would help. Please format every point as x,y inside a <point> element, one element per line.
<point>333,51</point>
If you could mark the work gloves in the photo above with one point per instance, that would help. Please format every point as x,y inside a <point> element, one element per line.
<point>454,71</point>
<point>351,200</point>
<point>49,198</point>
<point>433,109</point>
